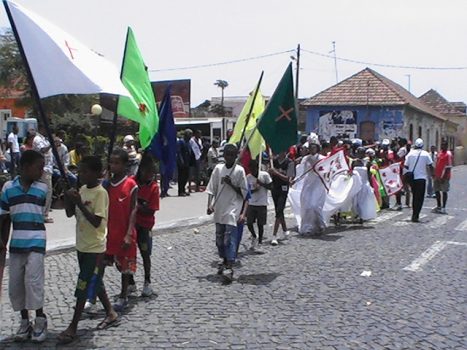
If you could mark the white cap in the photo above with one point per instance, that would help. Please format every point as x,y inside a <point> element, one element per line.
<point>418,143</point>
<point>128,138</point>
<point>313,138</point>
<point>370,152</point>
<point>385,142</point>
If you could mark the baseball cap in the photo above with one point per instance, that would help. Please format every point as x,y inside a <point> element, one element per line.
<point>418,143</point>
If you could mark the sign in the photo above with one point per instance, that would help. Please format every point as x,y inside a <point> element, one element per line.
<point>181,95</point>
<point>338,123</point>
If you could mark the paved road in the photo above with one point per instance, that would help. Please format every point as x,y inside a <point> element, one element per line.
<point>304,294</point>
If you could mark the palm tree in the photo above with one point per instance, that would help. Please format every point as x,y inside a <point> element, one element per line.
<point>222,84</point>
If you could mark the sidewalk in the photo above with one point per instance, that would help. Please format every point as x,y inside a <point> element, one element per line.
<point>175,212</point>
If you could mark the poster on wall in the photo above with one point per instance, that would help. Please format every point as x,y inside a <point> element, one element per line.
<point>338,123</point>
<point>181,93</point>
<point>389,130</point>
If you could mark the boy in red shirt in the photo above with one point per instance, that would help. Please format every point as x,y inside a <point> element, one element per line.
<point>148,204</point>
<point>121,237</point>
<point>441,177</point>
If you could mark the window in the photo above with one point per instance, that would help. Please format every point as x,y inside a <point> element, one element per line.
<point>420,132</point>
<point>411,132</point>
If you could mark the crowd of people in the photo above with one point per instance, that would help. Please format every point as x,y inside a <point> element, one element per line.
<point>115,212</point>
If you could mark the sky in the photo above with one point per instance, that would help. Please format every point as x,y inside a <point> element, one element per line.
<point>175,34</point>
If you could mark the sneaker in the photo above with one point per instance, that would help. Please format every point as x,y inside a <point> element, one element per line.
<point>121,304</point>
<point>286,233</point>
<point>443,211</point>
<point>220,268</point>
<point>147,290</point>
<point>90,308</point>
<point>228,274</point>
<point>254,243</point>
<point>274,242</point>
<point>436,210</point>
<point>397,207</point>
<point>24,331</point>
<point>131,289</point>
<point>39,333</point>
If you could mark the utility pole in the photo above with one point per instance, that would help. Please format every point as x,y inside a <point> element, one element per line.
<point>297,73</point>
<point>335,60</point>
<point>408,78</point>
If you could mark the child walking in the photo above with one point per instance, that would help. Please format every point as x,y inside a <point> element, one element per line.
<point>259,182</point>
<point>23,204</point>
<point>282,173</point>
<point>148,204</point>
<point>121,238</point>
<point>228,188</point>
<point>90,207</point>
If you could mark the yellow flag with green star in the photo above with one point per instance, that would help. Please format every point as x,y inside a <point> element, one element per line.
<point>256,142</point>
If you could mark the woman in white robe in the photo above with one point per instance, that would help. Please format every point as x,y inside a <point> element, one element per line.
<point>312,196</point>
<point>365,203</point>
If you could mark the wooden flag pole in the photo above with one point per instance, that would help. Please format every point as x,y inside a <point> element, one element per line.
<point>36,95</point>
<point>113,131</point>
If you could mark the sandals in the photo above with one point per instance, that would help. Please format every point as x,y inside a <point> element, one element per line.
<point>107,323</point>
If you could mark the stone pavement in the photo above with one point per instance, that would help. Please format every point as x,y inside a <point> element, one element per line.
<point>307,293</point>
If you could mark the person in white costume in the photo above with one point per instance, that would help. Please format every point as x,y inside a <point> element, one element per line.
<point>296,188</point>
<point>364,202</point>
<point>313,194</point>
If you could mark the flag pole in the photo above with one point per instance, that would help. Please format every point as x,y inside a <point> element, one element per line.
<point>113,131</point>
<point>35,93</point>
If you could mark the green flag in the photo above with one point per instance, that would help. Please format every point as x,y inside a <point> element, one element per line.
<point>278,125</point>
<point>142,107</point>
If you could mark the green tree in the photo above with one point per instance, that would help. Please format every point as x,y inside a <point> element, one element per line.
<point>222,84</point>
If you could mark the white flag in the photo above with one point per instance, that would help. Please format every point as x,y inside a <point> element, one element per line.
<point>59,63</point>
<point>391,178</point>
<point>331,166</point>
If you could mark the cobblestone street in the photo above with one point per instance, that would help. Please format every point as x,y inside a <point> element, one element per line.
<point>307,293</point>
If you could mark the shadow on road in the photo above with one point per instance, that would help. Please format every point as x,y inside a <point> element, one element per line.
<point>258,279</point>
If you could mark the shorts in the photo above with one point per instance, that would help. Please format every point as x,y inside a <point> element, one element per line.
<point>144,239</point>
<point>126,265</point>
<point>279,198</point>
<point>257,213</point>
<point>441,185</point>
<point>90,276</point>
<point>26,281</point>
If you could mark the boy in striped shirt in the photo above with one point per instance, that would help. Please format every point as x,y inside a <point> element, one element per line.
<point>23,204</point>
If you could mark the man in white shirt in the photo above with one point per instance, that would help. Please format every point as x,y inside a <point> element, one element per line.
<point>227,191</point>
<point>420,163</point>
<point>13,147</point>
<point>259,183</point>
<point>197,148</point>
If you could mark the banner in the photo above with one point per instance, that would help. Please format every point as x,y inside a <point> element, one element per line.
<point>59,63</point>
<point>329,167</point>
<point>391,178</point>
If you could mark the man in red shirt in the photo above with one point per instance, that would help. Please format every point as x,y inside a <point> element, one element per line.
<point>441,178</point>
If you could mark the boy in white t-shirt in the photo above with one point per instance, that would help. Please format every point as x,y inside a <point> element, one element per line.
<point>259,183</point>
<point>227,190</point>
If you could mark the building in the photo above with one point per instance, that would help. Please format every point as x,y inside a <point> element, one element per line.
<point>455,112</point>
<point>372,107</point>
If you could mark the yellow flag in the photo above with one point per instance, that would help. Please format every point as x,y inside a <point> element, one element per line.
<point>256,142</point>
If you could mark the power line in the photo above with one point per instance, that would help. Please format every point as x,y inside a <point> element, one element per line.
<point>222,63</point>
<point>382,64</point>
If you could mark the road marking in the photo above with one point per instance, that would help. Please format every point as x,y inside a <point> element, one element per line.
<point>462,226</point>
<point>457,243</point>
<point>386,216</point>
<point>407,221</point>
<point>426,256</point>
<point>439,221</point>
<point>429,254</point>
